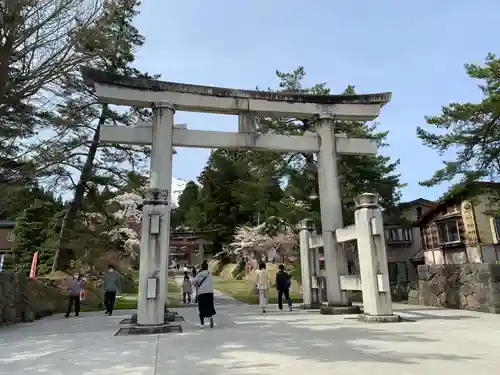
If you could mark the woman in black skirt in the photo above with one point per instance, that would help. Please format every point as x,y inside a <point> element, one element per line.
<point>205,286</point>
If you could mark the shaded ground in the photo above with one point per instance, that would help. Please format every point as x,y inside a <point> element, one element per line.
<point>248,342</point>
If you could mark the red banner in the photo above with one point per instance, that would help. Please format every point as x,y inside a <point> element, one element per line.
<point>33,266</point>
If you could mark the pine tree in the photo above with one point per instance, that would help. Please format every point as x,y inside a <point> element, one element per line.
<point>187,201</point>
<point>34,227</point>
<point>37,50</point>
<point>471,130</point>
<point>358,173</point>
<point>110,45</point>
<point>222,203</point>
<point>251,187</point>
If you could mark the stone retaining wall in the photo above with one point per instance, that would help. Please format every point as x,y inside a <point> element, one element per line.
<point>473,287</point>
<point>24,300</point>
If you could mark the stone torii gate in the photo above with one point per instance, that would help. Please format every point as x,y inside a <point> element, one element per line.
<point>167,97</point>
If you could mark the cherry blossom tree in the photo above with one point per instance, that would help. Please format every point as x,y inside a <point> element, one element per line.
<point>125,209</point>
<point>256,242</point>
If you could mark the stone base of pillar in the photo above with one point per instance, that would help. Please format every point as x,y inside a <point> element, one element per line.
<point>311,306</point>
<point>339,310</point>
<point>149,330</point>
<point>167,310</point>
<point>380,318</point>
<point>170,316</point>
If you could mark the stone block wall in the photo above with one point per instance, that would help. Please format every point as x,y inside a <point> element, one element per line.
<point>24,300</point>
<point>474,287</point>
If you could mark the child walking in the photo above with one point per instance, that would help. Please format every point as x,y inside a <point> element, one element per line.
<point>187,288</point>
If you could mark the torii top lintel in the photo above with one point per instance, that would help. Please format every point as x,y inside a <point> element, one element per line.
<point>143,92</point>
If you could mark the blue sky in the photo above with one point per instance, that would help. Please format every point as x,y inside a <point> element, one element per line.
<point>416,49</point>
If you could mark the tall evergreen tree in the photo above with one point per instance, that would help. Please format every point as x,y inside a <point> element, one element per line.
<point>471,130</point>
<point>358,173</point>
<point>76,153</point>
<point>187,202</point>
<point>223,198</point>
<point>245,187</point>
<point>36,224</point>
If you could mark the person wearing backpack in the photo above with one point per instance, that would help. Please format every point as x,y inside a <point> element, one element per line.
<point>283,283</point>
<point>204,284</point>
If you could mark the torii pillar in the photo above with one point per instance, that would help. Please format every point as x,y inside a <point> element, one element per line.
<point>331,209</point>
<point>155,231</point>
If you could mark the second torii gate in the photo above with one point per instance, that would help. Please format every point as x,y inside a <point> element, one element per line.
<point>167,97</point>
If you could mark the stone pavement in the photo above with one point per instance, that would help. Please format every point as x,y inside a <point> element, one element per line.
<point>219,297</point>
<point>246,341</point>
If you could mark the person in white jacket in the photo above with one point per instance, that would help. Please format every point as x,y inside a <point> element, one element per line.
<point>263,286</point>
<point>203,281</point>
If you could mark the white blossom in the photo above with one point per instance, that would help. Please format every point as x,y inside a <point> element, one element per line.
<point>248,240</point>
<point>129,204</point>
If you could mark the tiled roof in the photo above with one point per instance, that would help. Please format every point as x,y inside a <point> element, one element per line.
<point>7,224</point>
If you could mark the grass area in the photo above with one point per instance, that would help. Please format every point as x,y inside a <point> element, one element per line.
<point>242,291</point>
<point>129,301</point>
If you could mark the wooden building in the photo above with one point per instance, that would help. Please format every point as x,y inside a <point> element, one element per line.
<point>464,227</point>
<point>7,238</point>
<point>403,239</point>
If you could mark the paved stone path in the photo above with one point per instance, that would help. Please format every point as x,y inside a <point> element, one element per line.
<point>248,342</point>
<point>219,297</point>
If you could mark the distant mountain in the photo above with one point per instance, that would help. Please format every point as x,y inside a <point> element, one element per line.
<point>178,187</point>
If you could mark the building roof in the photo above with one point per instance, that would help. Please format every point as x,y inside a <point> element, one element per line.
<point>459,192</point>
<point>394,217</point>
<point>418,201</point>
<point>7,224</point>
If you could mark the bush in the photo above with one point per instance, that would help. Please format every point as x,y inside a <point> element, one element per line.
<point>239,270</point>
<point>129,284</point>
<point>401,289</point>
<point>296,272</point>
<point>220,265</point>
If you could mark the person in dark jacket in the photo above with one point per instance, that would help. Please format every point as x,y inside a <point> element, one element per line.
<point>283,283</point>
<point>112,286</point>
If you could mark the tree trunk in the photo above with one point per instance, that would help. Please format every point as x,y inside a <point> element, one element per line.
<point>64,252</point>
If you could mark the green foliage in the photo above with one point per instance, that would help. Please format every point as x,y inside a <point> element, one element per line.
<point>470,130</point>
<point>358,173</point>
<point>109,44</point>
<point>234,191</point>
<point>245,187</point>
<point>223,262</point>
<point>239,270</point>
<point>34,228</point>
<point>187,203</point>
<point>296,272</point>
<point>16,196</point>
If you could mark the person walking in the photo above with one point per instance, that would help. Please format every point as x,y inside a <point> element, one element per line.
<point>203,281</point>
<point>112,286</point>
<point>187,288</point>
<point>195,287</point>
<point>75,289</point>
<point>283,283</point>
<point>263,286</point>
